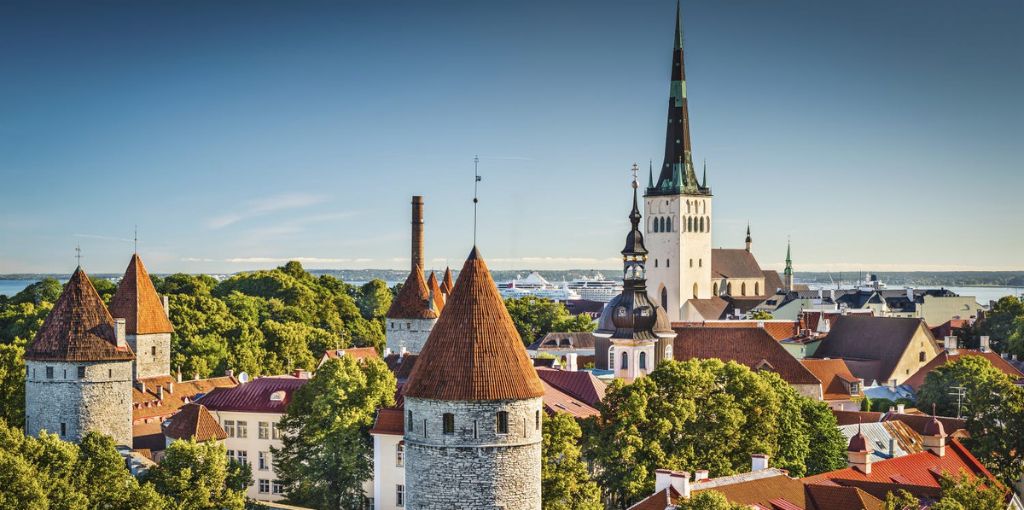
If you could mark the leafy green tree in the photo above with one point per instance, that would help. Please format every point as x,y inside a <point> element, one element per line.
<point>761,315</point>
<point>374,299</point>
<point>327,454</point>
<point>197,476</point>
<point>46,290</point>
<point>708,500</point>
<point>181,283</point>
<point>1003,324</point>
<point>19,322</point>
<point>961,493</point>
<point>901,500</point>
<point>660,421</point>
<point>565,480</point>
<point>294,343</point>
<point>104,287</point>
<point>993,406</point>
<point>535,317</point>
<point>19,485</point>
<point>105,481</point>
<point>12,385</point>
<point>827,444</point>
<point>865,403</point>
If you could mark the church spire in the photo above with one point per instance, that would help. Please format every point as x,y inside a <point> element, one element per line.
<point>788,272</point>
<point>749,240</point>
<point>634,254</point>
<point>677,172</point>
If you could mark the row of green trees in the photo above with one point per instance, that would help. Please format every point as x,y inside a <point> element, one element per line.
<point>47,473</point>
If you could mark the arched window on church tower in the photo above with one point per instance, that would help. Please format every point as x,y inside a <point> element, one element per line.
<point>757,288</point>
<point>695,291</point>
<point>664,298</point>
<point>715,288</point>
<point>701,223</point>
<point>689,224</point>
<point>643,361</point>
<point>655,262</point>
<point>743,289</point>
<point>625,361</point>
<point>687,207</point>
<point>707,221</point>
<point>669,222</point>
<point>728,288</point>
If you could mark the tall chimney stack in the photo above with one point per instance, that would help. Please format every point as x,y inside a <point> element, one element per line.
<point>417,232</point>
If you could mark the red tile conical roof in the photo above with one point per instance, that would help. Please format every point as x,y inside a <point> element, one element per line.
<point>78,328</point>
<point>447,284</point>
<point>137,302</point>
<point>474,351</point>
<point>413,301</point>
<point>436,292</point>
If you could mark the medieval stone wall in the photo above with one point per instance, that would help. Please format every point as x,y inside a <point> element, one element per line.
<point>100,401</point>
<point>409,333</point>
<point>149,363</point>
<point>475,466</point>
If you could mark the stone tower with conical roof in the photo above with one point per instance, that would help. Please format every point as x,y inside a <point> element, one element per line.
<point>639,330</point>
<point>678,206</point>
<point>79,369</point>
<point>147,326</point>
<point>473,406</point>
<point>413,312</point>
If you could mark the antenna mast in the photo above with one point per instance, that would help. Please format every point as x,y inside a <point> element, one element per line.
<point>476,181</point>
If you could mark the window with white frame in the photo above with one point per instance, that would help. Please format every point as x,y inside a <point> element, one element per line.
<point>229,427</point>
<point>275,433</point>
<point>264,430</point>
<point>277,487</point>
<point>400,454</point>
<point>264,486</point>
<point>243,429</point>
<point>243,456</point>
<point>399,495</point>
<point>264,461</point>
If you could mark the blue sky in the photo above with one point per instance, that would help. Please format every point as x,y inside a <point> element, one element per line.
<point>876,134</point>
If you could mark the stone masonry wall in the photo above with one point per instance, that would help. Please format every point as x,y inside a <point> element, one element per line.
<point>474,467</point>
<point>148,363</point>
<point>101,401</point>
<point>408,333</point>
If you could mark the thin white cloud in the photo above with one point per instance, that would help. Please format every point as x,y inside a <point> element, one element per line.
<point>279,260</point>
<point>264,206</point>
<point>197,259</point>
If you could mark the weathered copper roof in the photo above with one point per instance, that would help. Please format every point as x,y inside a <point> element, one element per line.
<point>474,351</point>
<point>78,328</point>
<point>436,292</point>
<point>137,303</point>
<point>413,301</point>
<point>194,421</point>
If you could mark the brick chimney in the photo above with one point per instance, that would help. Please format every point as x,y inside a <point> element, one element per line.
<point>120,332</point>
<point>417,232</point>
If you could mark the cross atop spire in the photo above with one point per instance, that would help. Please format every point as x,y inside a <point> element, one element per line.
<point>78,255</point>
<point>677,172</point>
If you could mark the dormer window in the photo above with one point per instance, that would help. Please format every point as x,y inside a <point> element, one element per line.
<point>277,396</point>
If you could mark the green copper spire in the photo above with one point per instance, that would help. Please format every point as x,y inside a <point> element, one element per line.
<point>650,174</point>
<point>789,261</point>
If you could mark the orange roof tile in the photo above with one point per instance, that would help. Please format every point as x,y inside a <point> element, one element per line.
<point>752,347</point>
<point>558,401</point>
<point>579,384</point>
<point>146,405</point>
<point>355,352</point>
<point>137,303</point>
<point>917,380</point>
<point>447,284</point>
<point>389,421</point>
<point>778,329</point>
<point>78,328</point>
<point>412,301</point>
<point>474,351</point>
<point>834,376</point>
<point>436,292</point>
<point>840,498</point>
<point>194,421</point>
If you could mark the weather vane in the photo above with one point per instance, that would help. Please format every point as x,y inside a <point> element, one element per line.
<point>78,254</point>
<point>476,181</point>
<point>636,173</point>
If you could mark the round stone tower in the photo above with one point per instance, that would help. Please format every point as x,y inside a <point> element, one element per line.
<point>413,312</point>
<point>79,369</point>
<point>473,407</point>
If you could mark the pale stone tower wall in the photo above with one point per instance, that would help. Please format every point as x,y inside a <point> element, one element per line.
<point>474,467</point>
<point>670,253</point>
<point>99,401</point>
<point>152,354</point>
<point>410,334</point>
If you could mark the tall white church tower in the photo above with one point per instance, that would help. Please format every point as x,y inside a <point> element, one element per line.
<point>678,207</point>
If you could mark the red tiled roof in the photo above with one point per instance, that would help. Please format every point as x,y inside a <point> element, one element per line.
<point>752,347</point>
<point>401,365</point>
<point>147,405</point>
<point>254,396</point>
<point>827,497</point>
<point>834,376</point>
<point>917,469</point>
<point>855,417</point>
<point>354,352</point>
<point>137,303</point>
<point>772,282</point>
<point>557,401</point>
<point>78,328</point>
<point>580,384</point>
<point>148,435</point>
<point>948,328</point>
<point>447,284</point>
<point>919,422</point>
<point>435,290</point>
<point>917,380</point>
<point>811,318</point>
<point>660,500</point>
<point>734,263</point>
<point>194,421</point>
<point>778,329</point>
<point>413,301</point>
<point>474,351</point>
<point>389,421</point>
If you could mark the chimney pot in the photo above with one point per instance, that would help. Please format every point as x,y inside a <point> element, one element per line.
<point>700,474</point>
<point>680,481</point>
<point>120,332</point>
<point>662,479</point>
<point>758,462</point>
<point>951,344</point>
<point>229,372</point>
<point>571,362</point>
<point>900,408</point>
<point>984,344</point>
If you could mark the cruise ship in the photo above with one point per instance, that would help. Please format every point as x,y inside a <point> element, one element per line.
<point>595,288</point>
